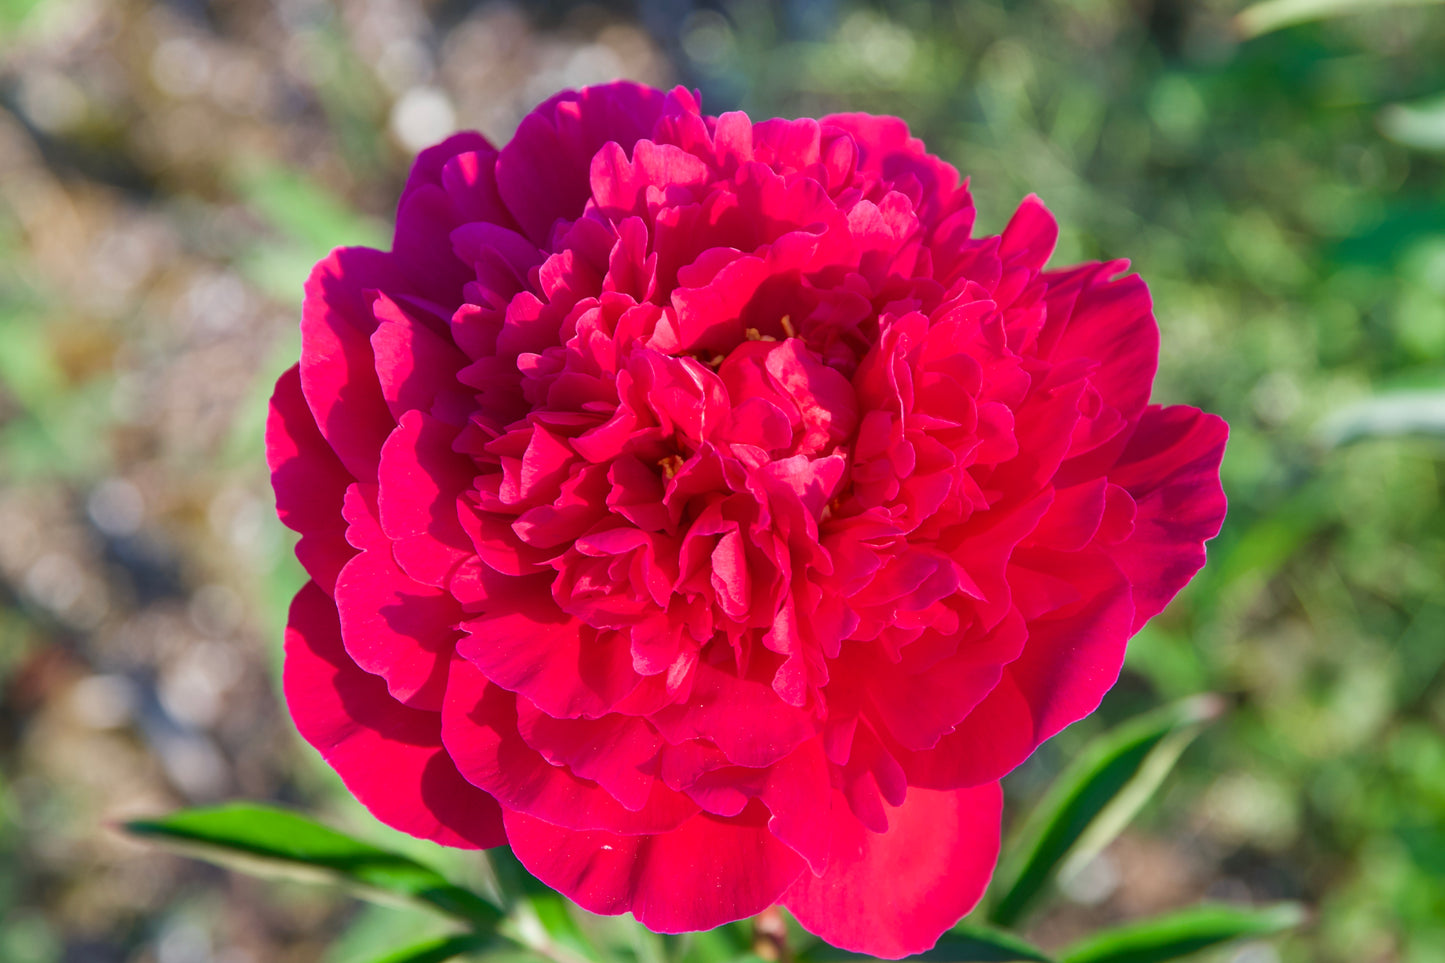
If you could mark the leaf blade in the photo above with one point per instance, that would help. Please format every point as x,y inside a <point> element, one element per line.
<point>267,841</point>
<point>1271,15</point>
<point>965,943</point>
<point>1094,798</point>
<point>436,950</point>
<point>1180,934</point>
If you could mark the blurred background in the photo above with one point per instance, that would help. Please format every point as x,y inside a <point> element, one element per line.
<point>170,170</point>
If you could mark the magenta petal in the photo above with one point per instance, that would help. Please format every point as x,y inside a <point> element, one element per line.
<point>1171,468</point>
<point>1071,659</point>
<point>389,756</point>
<point>416,364</point>
<point>309,481</point>
<point>718,700</point>
<point>526,644</point>
<point>430,165</point>
<point>707,872</point>
<point>892,895</point>
<point>542,173</point>
<point>479,727</point>
<point>397,628</point>
<point>420,481</point>
<point>338,371</point>
<point>618,752</point>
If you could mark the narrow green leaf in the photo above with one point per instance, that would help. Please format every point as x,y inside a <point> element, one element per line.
<point>1272,15</point>
<point>1420,125</point>
<point>1094,799</point>
<point>540,918</point>
<point>1386,415</point>
<point>1180,934</point>
<point>970,942</point>
<point>965,943</point>
<point>435,950</point>
<point>266,841</point>
<point>305,211</point>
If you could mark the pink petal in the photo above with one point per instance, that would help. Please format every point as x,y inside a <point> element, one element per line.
<point>1171,468</point>
<point>416,365</point>
<point>892,895</point>
<point>309,482</point>
<point>338,371</point>
<point>479,727</point>
<point>389,756</point>
<point>420,480</point>
<point>1071,659</point>
<point>526,644</point>
<point>617,752</point>
<point>397,628</point>
<point>707,872</point>
<point>542,172</point>
<point>720,699</point>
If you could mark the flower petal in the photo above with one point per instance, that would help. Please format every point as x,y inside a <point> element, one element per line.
<point>893,894</point>
<point>707,872</point>
<point>1171,469</point>
<point>389,756</point>
<point>309,482</point>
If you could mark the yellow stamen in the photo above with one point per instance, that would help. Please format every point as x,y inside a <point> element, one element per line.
<point>787,323</point>
<point>670,466</point>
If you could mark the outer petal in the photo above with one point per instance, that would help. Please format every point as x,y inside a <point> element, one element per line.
<point>479,726</point>
<point>1171,468</point>
<point>707,872</point>
<point>397,628</point>
<point>1072,657</point>
<point>526,644</point>
<point>542,173</point>
<point>893,894</point>
<point>338,372</point>
<point>309,481</point>
<point>389,756</point>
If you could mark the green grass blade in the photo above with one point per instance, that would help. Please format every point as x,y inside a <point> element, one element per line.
<point>266,841</point>
<point>435,950</point>
<point>965,943</point>
<point>1180,934</point>
<point>1272,15</point>
<point>1397,414</point>
<point>1093,800</point>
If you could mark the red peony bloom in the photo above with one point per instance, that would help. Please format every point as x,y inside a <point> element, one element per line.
<point>698,507</point>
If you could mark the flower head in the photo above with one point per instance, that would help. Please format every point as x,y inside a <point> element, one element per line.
<point>699,507</point>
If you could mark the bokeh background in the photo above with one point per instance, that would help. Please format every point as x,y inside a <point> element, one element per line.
<point>170,170</point>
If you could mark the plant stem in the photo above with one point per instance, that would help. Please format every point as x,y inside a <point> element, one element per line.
<point>770,936</point>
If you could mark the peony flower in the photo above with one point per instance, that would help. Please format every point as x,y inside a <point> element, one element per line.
<point>700,508</point>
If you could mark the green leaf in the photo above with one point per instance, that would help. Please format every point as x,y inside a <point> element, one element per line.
<point>1274,15</point>
<point>1179,934</point>
<point>274,842</point>
<point>1093,800</point>
<point>435,950</point>
<point>965,943</point>
<point>1384,416</point>
<point>540,918</point>
<point>1419,125</point>
<point>305,211</point>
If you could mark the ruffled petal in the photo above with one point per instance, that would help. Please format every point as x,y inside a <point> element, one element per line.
<point>389,756</point>
<point>1171,469</point>
<point>479,727</point>
<point>338,372</point>
<point>707,872</point>
<point>893,894</point>
<point>395,627</point>
<point>310,483</point>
